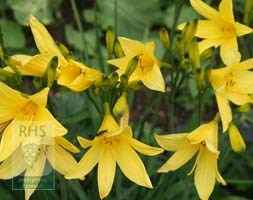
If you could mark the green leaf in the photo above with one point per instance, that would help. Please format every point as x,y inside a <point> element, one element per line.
<point>42,9</point>
<point>13,35</point>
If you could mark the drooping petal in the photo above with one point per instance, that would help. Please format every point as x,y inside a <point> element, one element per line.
<point>130,164</point>
<point>106,173</point>
<point>226,10</point>
<point>40,98</point>
<point>172,142</point>
<point>88,161</point>
<point>179,158</point>
<point>205,10</point>
<point>153,79</point>
<point>224,109</point>
<point>229,52</point>
<point>205,174</point>
<point>131,47</point>
<point>61,160</point>
<point>242,29</point>
<point>144,148</point>
<point>84,142</point>
<point>44,41</point>
<point>236,140</point>
<point>13,165</point>
<point>11,139</point>
<point>66,144</point>
<point>43,115</point>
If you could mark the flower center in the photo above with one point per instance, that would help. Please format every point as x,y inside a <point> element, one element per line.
<point>27,112</point>
<point>111,140</point>
<point>145,62</point>
<point>228,30</point>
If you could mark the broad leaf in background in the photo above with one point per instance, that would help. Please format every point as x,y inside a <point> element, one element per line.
<point>42,9</point>
<point>13,35</point>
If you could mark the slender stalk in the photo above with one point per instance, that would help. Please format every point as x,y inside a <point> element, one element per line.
<point>80,28</point>
<point>237,181</point>
<point>116,17</point>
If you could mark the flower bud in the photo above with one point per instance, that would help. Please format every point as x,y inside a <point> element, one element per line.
<point>194,54</point>
<point>50,72</point>
<point>65,52</point>
<point>236,140</point>
<point>123,81</point>
<point>132,66</point>
<point>121,105</point>
<point>189,32</point>
<point>110,38</point>
<point>118,50</point>
<point>247,12</point>
<point>134,86</point>
<point>165,39</point>
<point>207,53</point>
<point>113,79</point>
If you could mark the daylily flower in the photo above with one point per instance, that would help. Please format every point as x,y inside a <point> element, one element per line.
<point>220,28</point>
<point>204,141</point>
<point>147,70</point>
<point>114,145</point>
<point>232,83</point>
<point>30,157</point>
<point>236,140</point>
<point>17,108</point>
<point>74,75</point>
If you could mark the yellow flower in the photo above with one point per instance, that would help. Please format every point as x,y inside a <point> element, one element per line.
<point>220,28</point>
<point>147,70</point>
<point>30,157</point>
<point>232,83</point>
<point>69,73</point>
<point>15,108</point>
<point>236,140</point>
<point>114,145</point>
<point>77,76</point>
<point>203,140</point>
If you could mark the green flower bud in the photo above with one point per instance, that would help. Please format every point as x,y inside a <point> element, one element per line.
<point>132,66</point>
<point>194,54</point>
<point>189,32</point>
<point>165,39</point>
<point>134,86</point>
<point>118,50</point>
<point>207,53</point>
<point>113,79</point>
<point>50,72</point>
<point>110,38</point>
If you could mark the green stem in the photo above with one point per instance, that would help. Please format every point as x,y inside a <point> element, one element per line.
<point>116,17</point>
<point>88,95</point>
<point>171,111</point>
<point>236,181</point>
<point>80,28</point>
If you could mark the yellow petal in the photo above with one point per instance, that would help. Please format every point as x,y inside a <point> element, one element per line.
<point>245,65</point>
<point>207,43</point>
<point>36,66</point>
<point>13,165</point>
<point>84,142</point>
<point>106,173</point>
<point>44,115</point>
<point>179,158</point>
<point>217,77</point>
<point>219,177</point>
<point>80,84</point>
<point>242,29</point>
<point>11,102</point>
<point>224,109</point>
<point>172,142</point>
<point>208,29</point>
<point>121,63</point>
<point>61,160</point>
<point>150,47</point>
<point>205,10</point>
<point>44,41</point>
<point>34,174</point>
<point>205,174</point>
<point>239,99</point>
<point>144,148</point>
<point>10,141</point>
<point>40,98</point>
<point>109,124</point>
<point>88,161</point>
<point>226,10</point>
<point>153,79</point>
<point>66,144</point>
<point>130,164</point>
<point>229,52</point>
<point>212,138</point>
<point>236,140</point>
<point>20,59</point>
<point>131,47</point>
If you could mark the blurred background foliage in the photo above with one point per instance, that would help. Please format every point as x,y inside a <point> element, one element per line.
<point>81,26</point>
